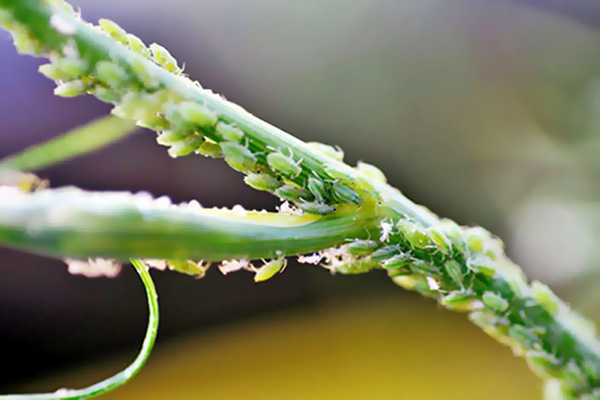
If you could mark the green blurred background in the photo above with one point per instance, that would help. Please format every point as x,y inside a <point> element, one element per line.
<point>486,111</point>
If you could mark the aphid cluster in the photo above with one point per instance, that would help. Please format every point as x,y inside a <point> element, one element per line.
<point>187,127</point>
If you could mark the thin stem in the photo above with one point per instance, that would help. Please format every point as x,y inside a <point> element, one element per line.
<point>90,137</point>
<point>128,373</point>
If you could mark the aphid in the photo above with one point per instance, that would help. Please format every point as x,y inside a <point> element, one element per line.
<point>72,68</point>
<point>442,243</point>
<point>293,193</point>
<point>495,301</point>
<point>51,71</point>
<point>399,261</point>
<point>197,114</point>
<point>144,75</point>
<point>421,267</point>
<point>362,247</point>
<point>184,148</point>
<point>113,30</point>
<point>482,266</point>
<point>265,182</point>
<point>284,165</point>
<point>461,301</point>
<point>164,58</point>
<point>546,297</point>
<point>106,95</point>
<point>342,173</point>
<point>156,123</point>
<point>229,132</point>
<point>385,253</point>
<point>524,336</point>
<point>317,188</point>
<point>269,269</point>
<point>70,89</point>
<point>414,234</point>
<point>476,238</point>
<point>371,171</point>
<point>111,74</point>
<point>543,363</point>
<point>454,271</point>
<point>209,149</point>
<point>334,152</point>
<point>188,267</point>
<point>238,157</point>
<point>168,138</point>
<point>346,195</point>
<point>136,44</point>
<point>315,208</point>
<point>454,232</point>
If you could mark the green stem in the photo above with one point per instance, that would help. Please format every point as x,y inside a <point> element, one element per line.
<point>72,223</point>
<point>79,141</point>
<point>128,373</point>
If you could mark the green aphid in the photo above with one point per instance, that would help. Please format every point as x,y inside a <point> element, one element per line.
<point>188,267</point>
<point>51,71</point>
<point>399,261</point>
<point>229,133</point>
<point>293,193</point>
<point>421,267</point>
<point>137,45</point>
<point>265,182</point>
<point>543,363</point>
<point>111,74</point>
<point>546,297</point>
<point>210,149</point>
<point>495,301</point>
<point>482,267</point>
<point>414,234</point>
<point>317,188</point>
<point>143,73</point>
<point>284,165</point>
<point>168,138</point>
<point>315,208</point>
<point>71,68</point>
<point>460,301</point>
<point>269,269</point>
<point>522,335</point>
<point>71,89</point>
<point>443,244</point>
<point>113,30</point>
<point>198,115</point>
<point>164,58</point>
<point>455,233</point>
<point>238,157</point>
<point>184,148</point>
<point>156,123</point>
<point>106,95</point>
<point>385,253</point>
<point>338,172</point>
<point>371,171</point>
<point>362,247</point>
<point>334,152</point>
<point>454,271</point>
<point>346,194</point>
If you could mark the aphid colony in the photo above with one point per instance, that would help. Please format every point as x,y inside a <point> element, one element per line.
<point>411,255</point>
<point>187,127</point>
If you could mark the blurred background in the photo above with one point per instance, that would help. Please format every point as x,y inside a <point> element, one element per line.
<point>486,111</point>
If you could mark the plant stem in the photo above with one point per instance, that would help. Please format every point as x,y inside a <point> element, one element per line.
<point>128,373</point>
